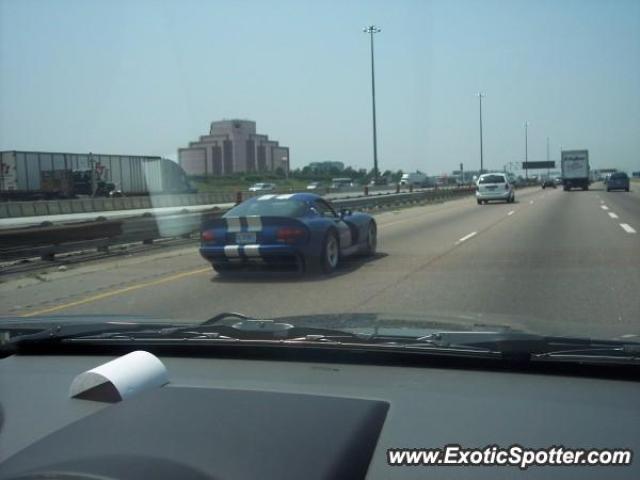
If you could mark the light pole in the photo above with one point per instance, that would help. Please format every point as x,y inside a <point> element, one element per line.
<point>526,150</point>
<point>371,30</point>
<point>548,168</point>
<point>480,96</point>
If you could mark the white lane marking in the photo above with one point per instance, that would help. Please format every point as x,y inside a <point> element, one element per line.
<point>254,223</point>
<point>511,212</point>
<point>530,202</point>
<point>233,224</point>
<point>627,228</point>
<point>613,215</point>
<point>252,250</point>
<point>604,207</point>
<point>267,197</point>
<point>232,250</point>
<point>286,196</point>
<point>467,237</point>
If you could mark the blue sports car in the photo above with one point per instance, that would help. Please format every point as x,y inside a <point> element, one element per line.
<point>299,231</point>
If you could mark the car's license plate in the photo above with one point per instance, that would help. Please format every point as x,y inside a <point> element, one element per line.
<point>492,187</point>
<point>245,237</point>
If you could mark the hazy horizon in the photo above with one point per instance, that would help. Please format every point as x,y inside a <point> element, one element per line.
<point>148,77</point>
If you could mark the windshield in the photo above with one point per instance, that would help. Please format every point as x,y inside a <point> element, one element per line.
<point>492,179</point>
<point>159,159</point>
<point>619,176</point>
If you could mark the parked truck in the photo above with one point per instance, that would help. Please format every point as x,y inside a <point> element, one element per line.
<point>575,169</point>
<point>46,175</point>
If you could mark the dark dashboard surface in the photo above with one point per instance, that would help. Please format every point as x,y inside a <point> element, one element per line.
<point>228,418</point>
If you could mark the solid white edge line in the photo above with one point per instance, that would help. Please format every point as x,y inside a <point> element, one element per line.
<point>613,215</point>
<point>467,237</point>
<point>627,228</point>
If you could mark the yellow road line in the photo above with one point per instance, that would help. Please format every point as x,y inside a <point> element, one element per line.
<point>113,293</point>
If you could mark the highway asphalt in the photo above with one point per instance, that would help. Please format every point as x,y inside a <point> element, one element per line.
<point>554,262</point>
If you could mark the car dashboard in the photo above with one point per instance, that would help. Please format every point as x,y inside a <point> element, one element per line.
<point>240,418</point>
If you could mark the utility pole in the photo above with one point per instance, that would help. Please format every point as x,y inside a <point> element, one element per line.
<point>480,97</point>
<point>371,30</point>
<point>548,169</point>
<point>526,150</point>
<point>94,180</point>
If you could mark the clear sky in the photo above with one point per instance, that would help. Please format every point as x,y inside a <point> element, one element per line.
<point>147,77</point>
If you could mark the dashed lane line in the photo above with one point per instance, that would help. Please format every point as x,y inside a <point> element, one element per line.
<point>627,228</point>
<point>467,237</point>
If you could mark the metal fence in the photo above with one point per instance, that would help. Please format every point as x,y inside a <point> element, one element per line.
<point>47,241</point>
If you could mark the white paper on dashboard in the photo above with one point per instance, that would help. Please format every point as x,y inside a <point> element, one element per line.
<point>129,374</point>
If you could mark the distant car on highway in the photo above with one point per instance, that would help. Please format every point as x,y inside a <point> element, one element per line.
<point>618,181</point>
<point>298,231</point>
<point>548,182</point>
<point>262,187</point>
<point>314,186</point>
<point>341,183</point>
<point>494,186</point>
<point>558,180</point>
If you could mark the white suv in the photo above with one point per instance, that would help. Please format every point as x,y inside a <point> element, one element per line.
<point>494,186</point>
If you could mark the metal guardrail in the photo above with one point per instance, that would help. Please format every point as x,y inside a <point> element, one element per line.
<point>45,242</point>
<point>91,205</point>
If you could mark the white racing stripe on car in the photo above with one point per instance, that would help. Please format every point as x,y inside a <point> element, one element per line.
<point>286,196</point>
<point>267,197</point>
<point>254,223</point>
<point>232,250</point>
<point>233,225</point>
<point>252,250</point>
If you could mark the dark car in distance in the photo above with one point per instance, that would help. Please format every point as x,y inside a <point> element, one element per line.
<point>618,181</point>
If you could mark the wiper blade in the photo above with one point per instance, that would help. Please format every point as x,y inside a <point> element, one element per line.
<point>525,346</point>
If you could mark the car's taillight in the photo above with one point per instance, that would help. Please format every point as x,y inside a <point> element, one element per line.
<point>290,234</point>
<point>207,236</point>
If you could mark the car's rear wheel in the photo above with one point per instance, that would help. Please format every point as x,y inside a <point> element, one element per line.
<point>221,269</point>
<point>372,240</point>
<point>626,189</point>
<point>479,202</point>
<point>329,257</point>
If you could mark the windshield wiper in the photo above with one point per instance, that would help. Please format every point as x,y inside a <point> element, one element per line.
<point>511,346</point>
<point>526,347</point>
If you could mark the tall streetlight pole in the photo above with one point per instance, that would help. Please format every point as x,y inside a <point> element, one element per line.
<point>548,169</point>
<point>371,30</point>
<point>526,149</point>
<point>480,97</point>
